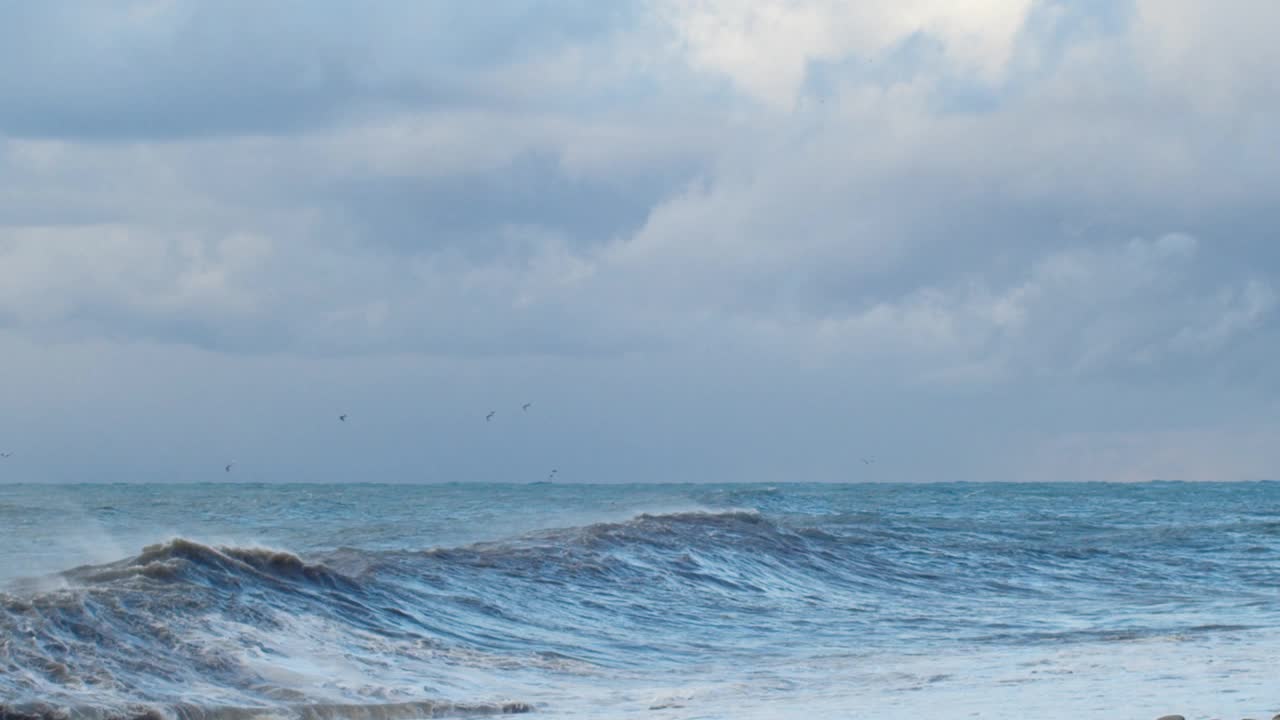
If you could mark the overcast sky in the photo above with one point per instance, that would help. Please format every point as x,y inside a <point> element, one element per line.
<point>708,240</point>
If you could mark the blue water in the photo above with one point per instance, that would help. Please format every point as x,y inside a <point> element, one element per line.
<point>691,601</point>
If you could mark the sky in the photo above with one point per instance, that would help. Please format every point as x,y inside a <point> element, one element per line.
<point>708,240</point>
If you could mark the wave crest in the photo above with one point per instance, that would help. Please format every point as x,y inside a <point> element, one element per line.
<point>176,558</point>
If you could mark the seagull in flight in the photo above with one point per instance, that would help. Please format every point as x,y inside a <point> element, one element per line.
<point>489,417</point>
<point>6,455</point>
<point>342,417</point>
<point>229,467</point>
<point>526,406</point>
<point>868,462</point>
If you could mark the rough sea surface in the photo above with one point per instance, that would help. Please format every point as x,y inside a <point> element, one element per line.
<point>642,601</point>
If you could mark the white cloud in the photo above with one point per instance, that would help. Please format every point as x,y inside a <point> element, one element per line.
<point>1219,58</point>
<point>765,47</point>
<point>1234,311</point>
<point>1087,311</point>
<point>57,274</point>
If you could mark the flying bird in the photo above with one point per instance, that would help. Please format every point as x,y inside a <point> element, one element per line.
<point>489,417</point>
<point>526,406</point>
<point>342,417</point>
<point>6,455</point>
<point>229,466</point>
<point>868,462</point>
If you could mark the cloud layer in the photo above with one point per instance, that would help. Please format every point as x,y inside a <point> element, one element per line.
<point>1032,219</point>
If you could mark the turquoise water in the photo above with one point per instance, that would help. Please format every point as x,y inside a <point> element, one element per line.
<point>706,601</point>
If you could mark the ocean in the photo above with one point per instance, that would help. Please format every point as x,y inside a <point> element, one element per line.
<point>370,602</point>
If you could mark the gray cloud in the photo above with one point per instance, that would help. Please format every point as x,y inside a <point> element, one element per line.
<point>167,70</point>
<point>1053,222</point>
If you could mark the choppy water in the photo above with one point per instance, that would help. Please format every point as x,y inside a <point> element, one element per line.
<point>719,601</point>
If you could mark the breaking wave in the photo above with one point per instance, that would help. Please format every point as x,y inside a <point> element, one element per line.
<point>471,630</point>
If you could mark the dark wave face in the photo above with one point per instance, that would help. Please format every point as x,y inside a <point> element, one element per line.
<point>754,589</point>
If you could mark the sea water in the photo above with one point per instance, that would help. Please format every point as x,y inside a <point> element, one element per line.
<point>641,601</point>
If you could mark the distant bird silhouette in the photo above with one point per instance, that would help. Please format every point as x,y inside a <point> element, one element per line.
<point>553,474</point>
<point>6,455</point>
<point>489,417</point>
<point>526,406</point>
<point>229,466</point>
<point>868,462</point>
<point>342,418</point>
